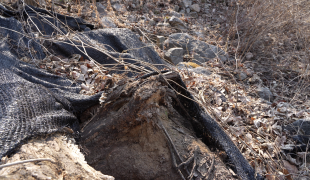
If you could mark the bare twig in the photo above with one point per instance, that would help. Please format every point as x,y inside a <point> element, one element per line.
<point>25,161</point>
<point>211,167</point>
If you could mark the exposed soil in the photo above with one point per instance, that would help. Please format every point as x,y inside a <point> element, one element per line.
<point>132,133</point>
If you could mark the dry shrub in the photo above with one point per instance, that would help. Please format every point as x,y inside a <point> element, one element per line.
<point>276,32</point>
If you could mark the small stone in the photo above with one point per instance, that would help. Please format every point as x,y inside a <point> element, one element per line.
<point>197,57</point>
<point>158,19</point>
<point>177,23</point>
<point>107,22</point>
<point>255,79</point>
<point>163,25</point>
<point>160,24</point>
<point>75,74</point>
<point>188,10</point>
<point>119,7</point>
<point>176,14</point>
<point>152,22</point>
<point>166,24</point>
<point>133,6</point>
<point>193,14</point>
<point>159,41</point>
<point>242,76</point>
<point>187,3</point>
<point>176,8</point>
<point>131,18</point>
<point>101,8</point>
<point>114,1</point>
<point>249,55</point>
<point>87,29</point>
<point>195,7</point>
<point>93,15</point>
<point>81,77</point>
<point>83,69</point>
<point>175,55</point>
<point>249,72</point>
<point>201,70</point>
<point>265,93</point>
<point>85,87</point>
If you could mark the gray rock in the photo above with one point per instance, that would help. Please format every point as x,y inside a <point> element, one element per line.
<point>159,41</point>
<point>152,22</point>
<point>300,129</point>
<point>119,7</point>
<point>175,55</point>
<point>199,34</point>
<point>87,29</point>
<point>249,55</point>
<point>187,3</point>
<point>177,23</point>
<point>107,22</point>
<point>301,126</point>
<point>101,9</point>
<point>193,14</point>
<point>207,11</point>
<point>163,24</point>
<point>265,93</point>
<point>188,10</point>
<point>173,13</point>
<point>93,14</point>
<point>176,8</point>
<point>203,51</point>
<point>242,76</point>
<point>195,7</point>
<point>255,79</point>
<point>114,1</point>
<point>201,70</point>
<point>160,24</point>
<point>197,57</point>
<point>182,11</point>
<point>166,24</point>
<point>131,18</point>
<point>133,6</point>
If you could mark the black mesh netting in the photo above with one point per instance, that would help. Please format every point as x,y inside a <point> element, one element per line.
<point>34,101</point>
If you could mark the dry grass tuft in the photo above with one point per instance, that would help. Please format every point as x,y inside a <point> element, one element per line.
<point>277,33</point>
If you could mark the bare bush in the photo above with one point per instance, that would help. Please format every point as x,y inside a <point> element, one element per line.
<point>277,33</point>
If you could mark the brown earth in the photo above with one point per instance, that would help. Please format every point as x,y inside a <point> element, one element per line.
<point>141,135</point>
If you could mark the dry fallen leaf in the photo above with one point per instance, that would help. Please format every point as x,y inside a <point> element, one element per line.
<point>292,169</point>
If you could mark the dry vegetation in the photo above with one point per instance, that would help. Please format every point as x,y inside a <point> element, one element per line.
<point>276,33</point>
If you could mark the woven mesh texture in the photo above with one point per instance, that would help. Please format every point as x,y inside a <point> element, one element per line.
<point>33,101</point>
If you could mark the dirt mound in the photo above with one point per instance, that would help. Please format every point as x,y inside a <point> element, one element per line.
<point>143,132</point>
